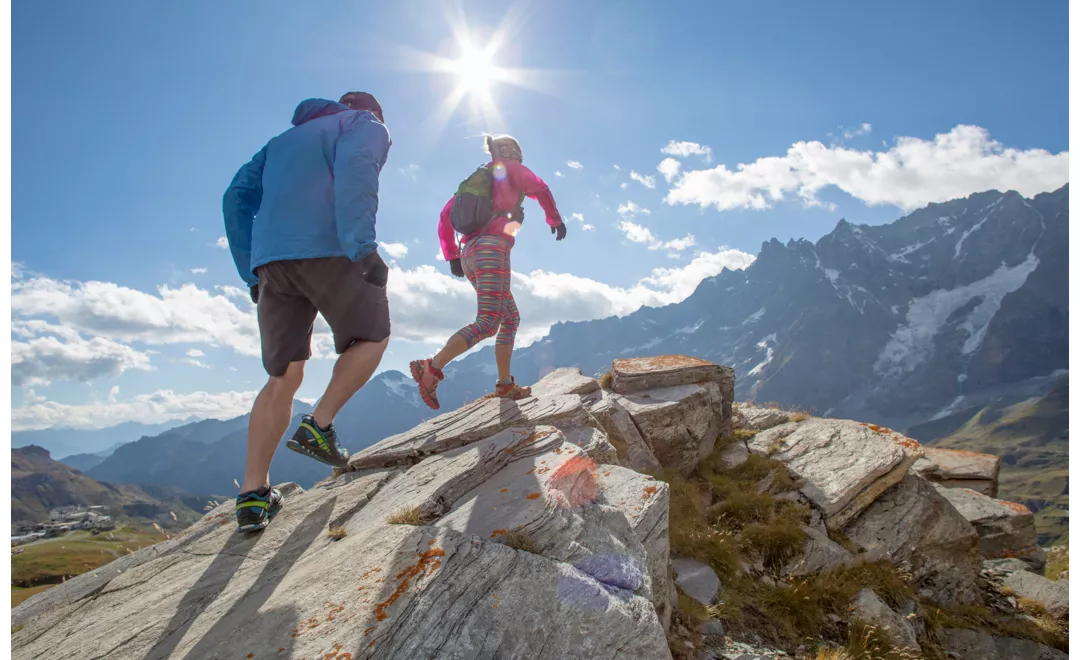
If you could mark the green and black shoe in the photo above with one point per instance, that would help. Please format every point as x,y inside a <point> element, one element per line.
<point>320,444</point>
<point>255,510</point>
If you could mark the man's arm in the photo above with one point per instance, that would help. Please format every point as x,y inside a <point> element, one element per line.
<point>361,154</point>
<point>241,203</point>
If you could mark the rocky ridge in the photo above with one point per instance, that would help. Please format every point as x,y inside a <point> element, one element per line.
<point>558,527</point>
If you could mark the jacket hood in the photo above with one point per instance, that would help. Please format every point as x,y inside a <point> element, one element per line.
<point>315,108</point>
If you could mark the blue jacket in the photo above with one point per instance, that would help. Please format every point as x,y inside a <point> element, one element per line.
<point>311,192</point>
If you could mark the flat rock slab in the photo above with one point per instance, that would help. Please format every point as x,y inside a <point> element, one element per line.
<point>756,418</point>
<point>564,381</point>
<point>870,608</point>
<point>382,591</point>
<point>480,419</point>
<point>965,644</point>
<point>1053,595</point>
<point>960,469</point>
<point>1006,529</point>
<point>844,465</point>
<point>680,424</point>
<point>912,523</point>
<point>696,579</point>
<point>636,374</point>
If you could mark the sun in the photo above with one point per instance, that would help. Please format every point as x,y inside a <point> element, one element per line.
<point>475,70</point>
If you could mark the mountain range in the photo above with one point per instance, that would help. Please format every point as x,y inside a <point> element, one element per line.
<point>955,307</point>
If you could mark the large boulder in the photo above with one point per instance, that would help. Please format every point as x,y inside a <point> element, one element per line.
<point>696,579</point>
<point>844,465</point>
<point>819,554</point>
<point>680,424</point>
<point>1051,594</point>
<point>868,607</point>
<point>756,418</point>
<point>564,381</point>
<point>963,644</point>
<point>955,468</point>
<point>414,566</point>
<point>913,524</point>
<point>1006,529</point>
<point>608,414</point>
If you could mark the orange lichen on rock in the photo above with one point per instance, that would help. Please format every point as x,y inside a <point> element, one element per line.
<point>531,470</point>
<point>643,365</point>
<point>533,496</point>
<point>504,490</point>
<point>1016,506</point>
<point>649,492</point>
<point>406,576</point>
<point>497,532</point>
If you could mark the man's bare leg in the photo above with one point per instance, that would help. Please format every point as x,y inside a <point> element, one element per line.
<point>351,371</point>
<point>269,421</point>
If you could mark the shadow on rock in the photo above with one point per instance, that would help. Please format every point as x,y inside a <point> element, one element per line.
<point>243,619</point>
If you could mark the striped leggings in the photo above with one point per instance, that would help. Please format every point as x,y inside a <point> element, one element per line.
<point>486,262</point>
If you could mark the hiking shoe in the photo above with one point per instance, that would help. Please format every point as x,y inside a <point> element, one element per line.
<point>427,378</point>
<point>512,390</point>
<point>320,444</point>
<point>255,510</point>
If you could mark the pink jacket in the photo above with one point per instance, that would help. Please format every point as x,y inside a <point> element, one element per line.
<point>505,192</point>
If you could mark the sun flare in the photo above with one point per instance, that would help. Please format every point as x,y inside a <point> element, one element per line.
<point>475,70</point>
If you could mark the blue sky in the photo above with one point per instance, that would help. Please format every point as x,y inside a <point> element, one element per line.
<point>129,119</point>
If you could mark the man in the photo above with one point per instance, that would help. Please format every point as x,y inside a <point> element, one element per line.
<point>300,220</point>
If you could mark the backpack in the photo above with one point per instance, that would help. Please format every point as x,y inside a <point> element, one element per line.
<point>471,211</point>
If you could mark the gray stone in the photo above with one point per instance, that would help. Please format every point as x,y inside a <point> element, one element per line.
<point>644,501</point>
<point>606,411</point>
<point>1006,529</point>
<point>733,650</point>
<point>1053,595</point>
<point>637,374</point>
<point>755,418</point>
<point>477,420</point>
<point>564,381</point>
<point>680,424</point>
<point>712,627</point>
<point>592,440</point>
<point>965,644</point>
<point>843,465</point>
<point>735,454</point>
<point>696,579</point>
<point>820,553</point>
<point>870,608</point>
<point>1005,566</point>
<point>954,468</point>
<point>912,523</point>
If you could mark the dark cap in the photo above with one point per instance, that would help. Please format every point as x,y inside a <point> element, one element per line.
<point>363,101</point>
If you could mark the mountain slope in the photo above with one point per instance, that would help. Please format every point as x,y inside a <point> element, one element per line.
<point>63,442</point>
<point>39,484</point>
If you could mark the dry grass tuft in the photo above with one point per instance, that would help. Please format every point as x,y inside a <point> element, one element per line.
<point>410,516</point>
<point>606,379</point>
<point>799,417</point>
<point>519,540</point>
<point>336,532</point>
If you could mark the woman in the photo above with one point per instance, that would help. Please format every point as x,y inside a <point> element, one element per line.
<point>485,261</point>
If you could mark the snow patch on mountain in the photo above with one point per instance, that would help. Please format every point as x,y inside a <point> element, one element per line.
<point>764,345</point>
<point>691,329</point>
<point>755,316</point>
<point>963,237</point>
<point>401,385</point>
<point>913,343</point>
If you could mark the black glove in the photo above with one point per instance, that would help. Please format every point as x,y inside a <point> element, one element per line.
<point>560,231</point>
<point>455,268</point>
<point>255,294</point>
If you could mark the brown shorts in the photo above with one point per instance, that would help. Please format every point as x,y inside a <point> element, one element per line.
<point>350,296</point>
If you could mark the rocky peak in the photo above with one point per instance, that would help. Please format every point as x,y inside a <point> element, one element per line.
<point>532,529</point>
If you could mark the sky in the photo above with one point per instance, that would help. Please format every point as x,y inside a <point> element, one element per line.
<point>675,137</point>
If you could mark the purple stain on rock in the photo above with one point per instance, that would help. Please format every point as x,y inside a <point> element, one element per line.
<point>619,571</point>
<point>580,592</point>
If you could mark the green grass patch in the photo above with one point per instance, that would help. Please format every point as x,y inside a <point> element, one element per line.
<point>51,561</point>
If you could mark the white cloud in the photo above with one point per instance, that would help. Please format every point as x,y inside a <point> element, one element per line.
<point>624,185</point>
<point>196,363</point>
<point>630,209</point>
<point>222,243</point>
<point>638,234</point>
<point>685,149</point>
<point>395,250</point>
<point>62,354</point>
<point>184,315</point>
<point>411,171</point>
<point>616,167</point>
<point>670,168</point>
<point>913,173</point>
<point>558,173</point>
<point>195,353</point>
<point>113,393</point>
<point>154,408</point>
<point>647,181</point>
<point>857,131</point>
<point>587,227</point>
<point>198,271</point>
<point>32,397</point>
<point>574,165</point>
